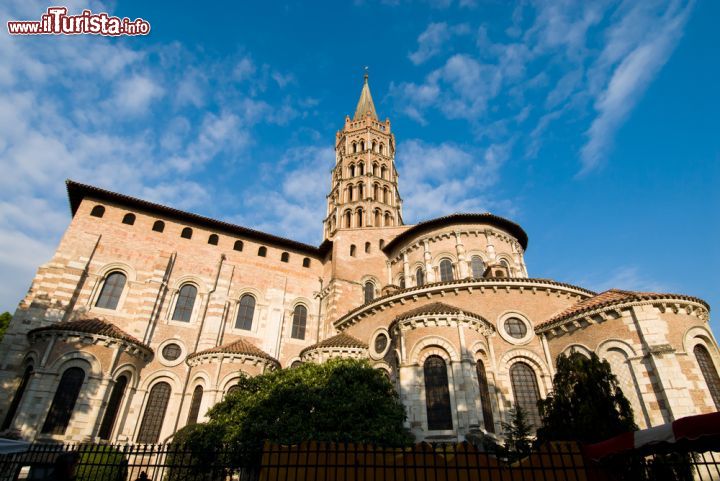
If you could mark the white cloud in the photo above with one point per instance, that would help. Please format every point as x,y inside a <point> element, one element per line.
<point>433,39</point>
<point>627,278</point>
<point>134,95</point>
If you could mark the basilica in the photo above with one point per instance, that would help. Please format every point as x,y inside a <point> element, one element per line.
<point>146,315</point>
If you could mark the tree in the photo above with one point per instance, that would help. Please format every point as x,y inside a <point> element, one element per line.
<point>5,319</point>
<point>341,400</point>
<point>517,434</point>
<point>586,403</point>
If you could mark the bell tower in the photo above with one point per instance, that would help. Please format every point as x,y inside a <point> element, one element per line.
<point>364,189</point>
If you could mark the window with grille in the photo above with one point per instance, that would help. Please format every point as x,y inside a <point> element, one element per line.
<point>446,270</point>
<point>171,352</point>
<point>113,407</point>
<point>369,291</point>
<point>195,405</point>
<point>185,303</point>
<point>154,415</point>
<point>477,266</point>
<point>515,328</point>
<point>437,394</point>
<point>64,401</point>
<point>17,398</point>
<point>709,372</point>
<point>525,391</point>
<point>299,321</point>
<point>111,291</point>
<point>420,277</point>
<point>246,311</point>
<point>485,396</point>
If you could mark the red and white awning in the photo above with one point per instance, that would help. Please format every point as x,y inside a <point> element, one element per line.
<point>701,431</point>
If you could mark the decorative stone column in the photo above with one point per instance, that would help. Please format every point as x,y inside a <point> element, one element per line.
<point>406,269</point>
<point>462,262</point>
<point>427,257</point>
<point>492,257</point>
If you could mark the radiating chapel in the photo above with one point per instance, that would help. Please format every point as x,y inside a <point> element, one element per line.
<point>146,316</point>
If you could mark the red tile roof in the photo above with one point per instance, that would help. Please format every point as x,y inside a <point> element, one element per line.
<point>609,298</point>
<point>341,340</point>
<point>437,308</point>
<point>97,326</point>
<point>240,346</point>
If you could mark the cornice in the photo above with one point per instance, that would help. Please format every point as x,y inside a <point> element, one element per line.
<point>136,350</point>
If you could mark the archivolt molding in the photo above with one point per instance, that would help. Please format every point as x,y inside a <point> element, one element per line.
<point>130,370</point>
<point>163,375</point>
<point>524,355</point>
<point>230,380</point>
<point>82,359</point>
<point>618,345</point>
<point>190,279</point>
<point>470,285</point>
<point>480,350</point>
<point>577,347</point>
<point>444,349</point>
<point>699,335</point>
<point>324,353</point>
<point>123,267</point>
<point>200,378</point>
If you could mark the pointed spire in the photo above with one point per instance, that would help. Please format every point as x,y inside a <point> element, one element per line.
<point>365,104</point>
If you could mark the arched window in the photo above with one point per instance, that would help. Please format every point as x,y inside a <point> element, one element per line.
<point>362,146</point>
<point>111,291</point>
<point>378,218</point>
<point>505,263</point>
<point>213,239</point>
<point>388,219</point>
<point>116,396</point>
<point>186,233</point>
<point>383,172</point>
<point>386,195</point>
<point>361,171</point>
<point>299,321</point>
<point>359,218</point>
<point>306,262</point>
<point>354,148</point>
<point>246,312</point>
<point>369,291</point>
<point>437,394</point>
<point>158,226</point>
<point>485,396</point>
<point>367,247</point>
<point>525,391</point>
<point>18,397</point>
<point>64,401</point>
<point>420,277</point>
<point>238,246</point>
<point>185,303</point>
<point>195,405</point>
<point>262,251</point>
<point>374,146</point>
<point>348,219</point>
<point>284,257</point>
<point>361,191</point>
<point>128,219</point>
<point>707,367</point>
<point>375,171</point>
<point>232,389</point>
<point>295,364</point>
<point>351,192</point>
<point>352,170</point>
<point>382,148</point>
<point>477,266</point>
<point>376,192</point>
<point>352,250</point>
<point>446,270</point>
<point>402,282</point>
<point>97,211</point>
<point>154,414</point>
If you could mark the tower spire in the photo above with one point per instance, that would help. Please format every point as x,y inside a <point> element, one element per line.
<point>365,104</point>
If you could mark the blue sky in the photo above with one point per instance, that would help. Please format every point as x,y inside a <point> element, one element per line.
<point>592,124</point>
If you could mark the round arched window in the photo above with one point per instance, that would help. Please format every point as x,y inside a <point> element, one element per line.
<point>515,328</point>
<point>381,342</point>
<point>171,352</point>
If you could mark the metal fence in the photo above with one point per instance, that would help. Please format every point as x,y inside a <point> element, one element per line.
<point>352,462</point>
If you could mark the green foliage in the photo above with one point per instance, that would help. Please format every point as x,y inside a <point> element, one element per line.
<point>517,434</point>
<point>586,403</point>
<point>5,319</point>
<point>101,463</point>
<point>341,400</point>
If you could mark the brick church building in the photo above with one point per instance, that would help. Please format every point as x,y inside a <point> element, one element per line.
<point>146,316</point>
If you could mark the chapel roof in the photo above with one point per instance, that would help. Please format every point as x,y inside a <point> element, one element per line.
<point>341,340</point>
<point>460,218</point>
<point>96,326</point>
<point>77,192</point>
<point>241,347</point>
<point>437,308</point>
<point>365,105</point>
<point>608,298</point>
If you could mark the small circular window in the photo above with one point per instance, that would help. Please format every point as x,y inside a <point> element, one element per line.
<point>515,328</point>
<point>171,352</point>
<point>381,342</point>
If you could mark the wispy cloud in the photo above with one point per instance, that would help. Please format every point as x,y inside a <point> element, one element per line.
<point>433,40</point>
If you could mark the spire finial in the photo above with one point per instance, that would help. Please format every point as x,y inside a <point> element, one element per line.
<point>366,74</point>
